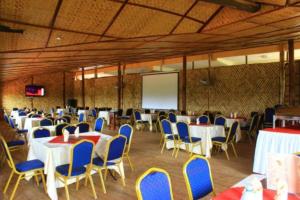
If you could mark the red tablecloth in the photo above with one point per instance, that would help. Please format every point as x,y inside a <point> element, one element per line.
<point>236,194</point>
<point>283,130</point>
<point>73,139</point>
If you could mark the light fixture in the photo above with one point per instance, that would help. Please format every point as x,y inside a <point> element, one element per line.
<point>58,38</point>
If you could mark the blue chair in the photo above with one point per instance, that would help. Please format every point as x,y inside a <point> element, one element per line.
<point>46,122</point>
<point>127,131</point>
<point>185,138</point>
<point>154,184</point>
<point>21,132</point>
<point>115,149</point>
<point>83,127</point>
<point>167,134</point>
<point>6,119</point>
<point>99,124</point>
<point>203,119</point>
<point>81,157</point>
<point>268,121</point>
<point>94,113</point>
<point>172,117</point>
<point>41,132</point>
<point>21,169</point>
<point>220,121</point>
<point>220,142</point>
<point>138,120</point>
<point>70,128</point>
<point>198,178</point>
<point>251,130</point>
<point>81,117</point>
<point>22,113</point>
<point>59,128</point>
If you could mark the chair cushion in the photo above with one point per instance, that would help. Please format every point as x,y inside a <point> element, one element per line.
<point>99,162</point>
<point>193,139</point>
<point>171,137</point>
<point>219,139</point>
<point>29,165</point>
<point>22,130</point>
<point>15,143</point>
<point>64,170</point>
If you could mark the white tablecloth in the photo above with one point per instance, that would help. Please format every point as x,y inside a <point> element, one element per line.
<point>273,142</point>
<point>30,133</point>
<point>105,115</point>
<point>14,114</point>
<point>149,117</point>
<point>85,112</point>
<point>185,118</point>
<point>20,121</point>
<point>229,122</point>
<point>203,132</point>
<point>31,122</point>
<point>54,155</point>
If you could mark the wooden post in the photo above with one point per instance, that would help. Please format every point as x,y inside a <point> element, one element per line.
<point>291,73</point>
<point>94,89</point>
<point>122,91</point>
<point>31,98</point>
<point>82,87</point>
<point>281,75</point>
<point>64,89</point>
<point>119,85</point>
<point>246,59</point>
<point>183,92</point>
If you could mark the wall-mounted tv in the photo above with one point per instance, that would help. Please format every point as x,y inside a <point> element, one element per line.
<point>34,91</point>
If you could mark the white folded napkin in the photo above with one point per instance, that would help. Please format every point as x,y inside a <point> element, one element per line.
<point>66,135</point>
<point>253,190</point>
<point>76,133</point>
<point>281,191</point>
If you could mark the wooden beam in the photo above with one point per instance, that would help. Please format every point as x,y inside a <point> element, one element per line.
<point>291,73</point>
<point>238,4</point>
<point>183,89</point>
<point>119,85</point>
<point>210,18</point>
<point>82,87</point>
<point>64,89</point>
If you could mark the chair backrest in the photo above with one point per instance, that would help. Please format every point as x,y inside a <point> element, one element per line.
<point>198,178</point>
<point>137,115</point>
<point>182,129</point>
<point>147,111</point>
<point>172,117</point>
<point>115,148</point>
<point>68,118</point>
<point>60,119</point>
<point>70,128</point>
<point>15,109</point>
<point>81,117</point>
<point>269,112</point>
<point>59,128</point>
<point>22,113</point>
<point>232,132</point>
<point>162,113</point>
<point>61,113</point>
<point>120,112</point>
<point>260,121</point>
<point>7,155</point>
<point>81,154</point>
<point>220,120</point>
<point>41,132</point>
<point>127,131</point>
<point>83,127</point>
<point>129,112</point>
<point>254,123</point>
<point>203,119</point>
<point>11,122</point>
<point>153,184</point>
<point>99,123</point>
<point>94,113</point>
<point>166,127</point>
<point>6,119</point>
<point>46,122</point>
<point>35,116</point>
<point>253,113</point>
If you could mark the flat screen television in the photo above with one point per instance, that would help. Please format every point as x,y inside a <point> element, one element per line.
<point>34,91</point>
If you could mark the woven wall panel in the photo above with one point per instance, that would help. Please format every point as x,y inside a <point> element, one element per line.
<point>203,10</point>
<point>106,92</point>
<point>132,91</point>
<point>133,22</point>
<point>31,11</point>
<point>187,26</point>
<point>90,16</point>
<point>257,31</point>
<point>178,6</point>
<point>232,28</point>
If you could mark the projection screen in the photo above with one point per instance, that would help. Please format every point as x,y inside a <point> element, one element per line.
<point>160,91</point>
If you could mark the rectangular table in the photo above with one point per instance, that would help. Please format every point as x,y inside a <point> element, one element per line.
<point>105,115</point>
<point>278,140</point>
<point>54,154</point>
<point>205,132</point>
<point>149,117</point>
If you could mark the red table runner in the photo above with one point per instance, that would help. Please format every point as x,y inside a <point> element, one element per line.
<point>73,139</point>
<point>236,194</point>
<point>283,130</point>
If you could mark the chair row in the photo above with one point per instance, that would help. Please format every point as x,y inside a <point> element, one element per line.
<point>156,183</point>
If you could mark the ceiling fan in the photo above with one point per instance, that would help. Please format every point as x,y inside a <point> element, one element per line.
<point>7,29</point>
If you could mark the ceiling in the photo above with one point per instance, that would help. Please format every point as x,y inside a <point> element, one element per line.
<point>66,34</point>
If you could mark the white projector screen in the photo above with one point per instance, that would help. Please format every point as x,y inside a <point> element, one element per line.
<point>160,91</point>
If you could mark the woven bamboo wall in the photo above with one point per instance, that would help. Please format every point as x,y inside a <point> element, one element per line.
<point>13,92</point>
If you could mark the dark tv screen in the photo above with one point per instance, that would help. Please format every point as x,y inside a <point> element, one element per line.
<point>34,91</point>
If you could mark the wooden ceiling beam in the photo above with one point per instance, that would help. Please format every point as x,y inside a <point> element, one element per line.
<point>210,19</point>
<point>238,4</point>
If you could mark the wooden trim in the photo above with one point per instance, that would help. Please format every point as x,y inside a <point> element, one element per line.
<point>238,4</point>
<point>210,18</point>
<point>119,86</point>
<point>291,73</point>
<point>281,74</point>
<point>82,87</point>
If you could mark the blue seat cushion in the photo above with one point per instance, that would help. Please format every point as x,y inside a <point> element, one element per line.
<point>99,162</point>
<point>193,139</point>
<point>29,165</point>
<point>219,139</point>
<point>22,130</point>
<point>15,143</point>
<point>171,137</point>
<point>64,170</point>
